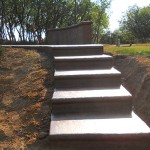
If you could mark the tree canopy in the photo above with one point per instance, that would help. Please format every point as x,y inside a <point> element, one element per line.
<point>32,18</point>
<point>136,23</point>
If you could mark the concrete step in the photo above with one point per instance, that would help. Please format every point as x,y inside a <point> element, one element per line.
<point>83,62</point>
<point>106,134</point>
<point>77,50</point>
<point>104,103</point>
<point>108,78</point>
<point>65,50</point>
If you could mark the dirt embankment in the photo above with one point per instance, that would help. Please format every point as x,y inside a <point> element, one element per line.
<point>136,78</point>
<point>25,92</point>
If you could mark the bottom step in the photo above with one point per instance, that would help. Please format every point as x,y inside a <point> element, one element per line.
<point>113,134</point>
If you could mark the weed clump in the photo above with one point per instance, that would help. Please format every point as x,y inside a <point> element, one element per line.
<point>2,49</point>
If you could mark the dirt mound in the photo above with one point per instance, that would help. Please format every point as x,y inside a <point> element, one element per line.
<point>136,78</point>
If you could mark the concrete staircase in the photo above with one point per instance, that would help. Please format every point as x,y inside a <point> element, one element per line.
<point>90,107</point>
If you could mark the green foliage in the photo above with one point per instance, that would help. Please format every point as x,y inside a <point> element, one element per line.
<point>100,19</point>
<point>136,23</point>
<point>125,37</point>
<point>32,18</point>
<point>2,49</point>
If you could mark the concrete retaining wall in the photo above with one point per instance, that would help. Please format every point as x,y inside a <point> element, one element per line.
<point>76,34</point>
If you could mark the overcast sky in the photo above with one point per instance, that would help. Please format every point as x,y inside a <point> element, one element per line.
<point>120,6</point>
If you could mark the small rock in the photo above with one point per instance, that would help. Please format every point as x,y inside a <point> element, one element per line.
<point>42,135</point>
<point>2,136</point>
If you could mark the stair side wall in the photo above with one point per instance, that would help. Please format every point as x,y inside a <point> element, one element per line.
<point>76,34</point>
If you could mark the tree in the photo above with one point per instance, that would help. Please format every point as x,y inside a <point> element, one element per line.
<point>100,18</point>
<point>136,22</point>
<point>32,18</point>
<point>127,36</point>
<point>8,21</point>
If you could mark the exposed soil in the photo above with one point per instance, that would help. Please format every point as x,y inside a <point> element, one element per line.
<point>136,78</point>
<point>26,78</point>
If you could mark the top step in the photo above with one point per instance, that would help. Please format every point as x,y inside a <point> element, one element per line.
<point>65,50</point>
<point>77,50</point>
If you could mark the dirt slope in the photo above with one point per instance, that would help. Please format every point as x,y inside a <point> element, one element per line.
<point>25,92</point>
<point>136,78</point>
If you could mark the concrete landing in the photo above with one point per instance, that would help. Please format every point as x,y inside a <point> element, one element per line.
<point>81,127</point>
<point>83,62</point>
<point>106,134</point>
<point>108,78</point>
<point>106,102</point>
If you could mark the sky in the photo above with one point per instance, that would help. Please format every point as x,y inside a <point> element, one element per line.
<point>120,6</point>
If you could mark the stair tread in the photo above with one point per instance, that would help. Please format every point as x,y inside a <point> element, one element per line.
<point>87,72</point>
<point>85,62</point>
<point>78,46</point>
<point>97,102</point>
<point>89,93</point>
<point>103,56</point>
<point>75,127</point>
<point>55,46</point>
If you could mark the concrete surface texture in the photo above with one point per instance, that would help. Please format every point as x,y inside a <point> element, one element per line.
<point>91,105</point>
<point>76,34</point>
<point>84,62</point>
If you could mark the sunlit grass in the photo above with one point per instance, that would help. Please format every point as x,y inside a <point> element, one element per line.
<point>135,49</point>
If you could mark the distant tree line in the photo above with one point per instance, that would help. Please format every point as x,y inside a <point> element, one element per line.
<point>30,19</point>
<point>135,24</point>
<point>134,27</point>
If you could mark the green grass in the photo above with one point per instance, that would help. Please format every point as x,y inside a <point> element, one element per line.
<point>135,49</point>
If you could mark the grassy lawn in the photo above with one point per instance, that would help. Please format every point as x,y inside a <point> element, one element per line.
<point>135,49</point>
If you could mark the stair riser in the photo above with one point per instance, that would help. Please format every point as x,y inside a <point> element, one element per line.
<point>120,144</point>
<point>105,107</point>
<point>99,81</point>
<point>77,51</point>
<point>83,65</point>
